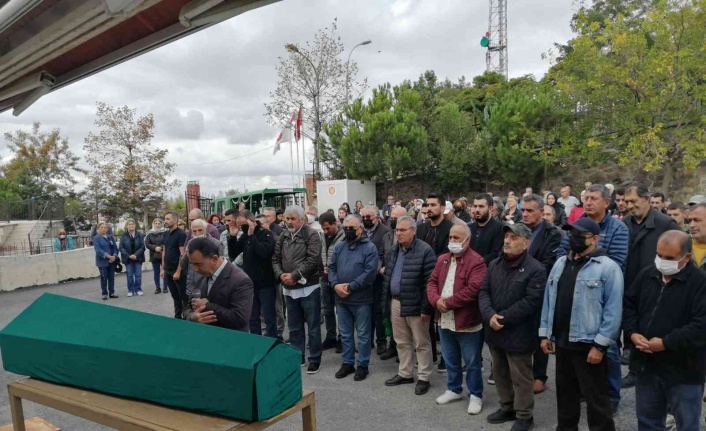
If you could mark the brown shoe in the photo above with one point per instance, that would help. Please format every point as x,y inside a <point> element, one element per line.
<point>539,387</point>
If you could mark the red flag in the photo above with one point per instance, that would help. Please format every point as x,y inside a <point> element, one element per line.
<point>298,129</point>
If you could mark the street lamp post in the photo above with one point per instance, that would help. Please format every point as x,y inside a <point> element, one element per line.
<point>295,50</point>
<point>348,62</point>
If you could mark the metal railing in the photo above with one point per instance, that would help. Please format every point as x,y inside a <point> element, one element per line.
<point>53,210</point>
<point>41,246</point>
<point>29,209</point>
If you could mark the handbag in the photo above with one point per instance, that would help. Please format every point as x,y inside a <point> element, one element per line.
<point>118,264</point>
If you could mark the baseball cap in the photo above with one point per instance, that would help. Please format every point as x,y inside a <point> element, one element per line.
<point>584,224</point>
<point>697,199</point>
<point>520,229</point>
<point>449,207</point>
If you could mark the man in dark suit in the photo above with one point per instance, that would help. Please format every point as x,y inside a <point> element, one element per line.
<point>226,292</point>
<point>645,225</point>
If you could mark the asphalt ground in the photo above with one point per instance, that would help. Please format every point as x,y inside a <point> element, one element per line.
<point>342,405</point>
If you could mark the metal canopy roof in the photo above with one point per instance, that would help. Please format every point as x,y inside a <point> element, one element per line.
<point>48,44</point>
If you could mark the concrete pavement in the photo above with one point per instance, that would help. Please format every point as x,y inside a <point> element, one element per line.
<point>342,405</point>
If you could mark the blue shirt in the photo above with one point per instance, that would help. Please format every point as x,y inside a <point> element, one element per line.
<point>396,278</point>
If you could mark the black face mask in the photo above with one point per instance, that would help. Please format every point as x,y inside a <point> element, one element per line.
<point>351,234</point>
<point>393,224</point>
<point>367,223</point>
<point>577,243</point>
<point>244,227</point>
<point>458,210</point>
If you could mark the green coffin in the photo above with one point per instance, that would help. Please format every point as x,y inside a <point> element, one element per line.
<point>152,358</point>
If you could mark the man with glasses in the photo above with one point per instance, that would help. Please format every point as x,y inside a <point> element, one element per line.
<point>408,266</point>
<point>375,232</point>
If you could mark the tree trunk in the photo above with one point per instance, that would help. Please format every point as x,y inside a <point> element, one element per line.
<point>668,178</point>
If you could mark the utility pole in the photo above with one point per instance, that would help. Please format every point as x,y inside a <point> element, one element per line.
<point>496,57</point>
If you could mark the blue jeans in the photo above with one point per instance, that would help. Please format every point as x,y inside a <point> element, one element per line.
<point>134,276</point>
<point>156,268</point>
<point>654,395</point>
<point>467,346</point>
<point>107,279</point>
<point>360,316</point>
<point>615,376</point>
<point>264,302</point>
<point>305,310</point>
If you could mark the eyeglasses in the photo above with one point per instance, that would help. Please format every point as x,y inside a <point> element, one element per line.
<point>580,235</point>
<point>368,217</point>
<point>402,230</point>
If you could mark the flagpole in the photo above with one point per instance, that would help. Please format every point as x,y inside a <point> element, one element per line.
<point>303,162</point>
<point>290,141</point>
<point>291,160</point>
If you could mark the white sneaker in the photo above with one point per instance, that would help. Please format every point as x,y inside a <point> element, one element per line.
<point>448,397</point>
<point>129,294</point>
<point>475,405</point>
<point>671,423</point>
<point>139,293</point>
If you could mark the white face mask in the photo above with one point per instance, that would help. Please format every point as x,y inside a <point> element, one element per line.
<point>456,247</point>
<point>311,218</point>
<point>62,236</point>
<point>667,267</point>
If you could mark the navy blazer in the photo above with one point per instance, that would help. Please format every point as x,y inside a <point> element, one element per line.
<point>139,247</point>
<point>104,248</point>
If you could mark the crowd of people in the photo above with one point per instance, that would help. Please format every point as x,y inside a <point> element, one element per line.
<point>432,282</point>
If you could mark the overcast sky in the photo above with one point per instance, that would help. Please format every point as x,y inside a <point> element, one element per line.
<point>207,91</point>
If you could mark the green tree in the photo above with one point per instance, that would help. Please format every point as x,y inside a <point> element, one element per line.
<point>8,190</point>
<point>42,163</point>
<point>382,138</point>
<point>130,175</point>
<point>459,147</point>
<point>638,90</point>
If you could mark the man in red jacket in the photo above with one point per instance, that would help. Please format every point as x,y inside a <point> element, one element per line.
<point>453,291</point>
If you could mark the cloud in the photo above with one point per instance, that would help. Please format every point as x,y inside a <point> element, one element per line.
<point>207,91</point>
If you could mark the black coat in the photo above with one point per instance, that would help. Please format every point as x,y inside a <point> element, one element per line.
<point>544,248</point>
<point>643,246</point>
<point>230,298</point>
<point>514,290</point>
<point>441,242</point>
<point>489,242</point>
<point>676,313</point>
<point>153,240</point>
<point>464,215</point>
<point>257,250</point>
<point>418,265</point>
<point>378,238</point>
